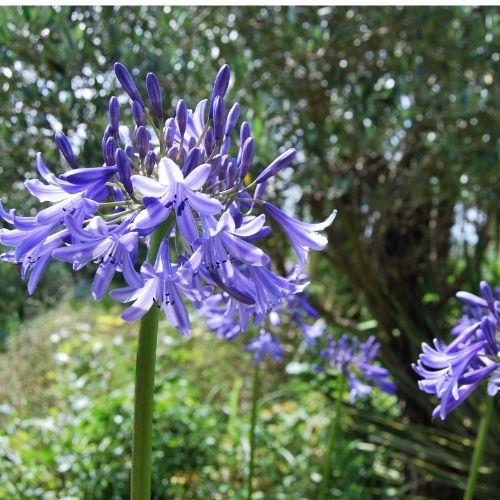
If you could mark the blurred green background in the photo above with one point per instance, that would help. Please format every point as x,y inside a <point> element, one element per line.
<point>394,112</point>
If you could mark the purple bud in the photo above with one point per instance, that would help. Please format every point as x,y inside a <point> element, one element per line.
<point>487,292</point>
<point>108,132</point>
<point>150,162</point>
<point>245,132</point>
<point>231,173</point>
<point>127,82</point>
<point>138,113</point>
<point>191,161</point>
<point>221,83</point>
<point>247,156</point>
<point>154,94</point>
<point>169,133</point>
<point>226,146</point>
<point>118,194</point>
<point>209,141</point>
<point>66,149</point>
<point>181,116</point>
<point>110,151</point>
<point>282,161</point>
<point>173,152</point>
<point>191,143</point>
<point>219,118</point>
<point>129,149</point>
<point>142,138</point>
<point>114,113</point>
<point>232,118</point>
<point>123,164</point>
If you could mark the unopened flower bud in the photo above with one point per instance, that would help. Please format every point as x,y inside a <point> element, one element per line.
<point>169,134</point>
<point>154,94</point>
<point>219,123</point>
<point>181,116</point>
<point>209,141</point>
<point>221,83</point>
<point>138,113</point>
<point>114,113</point>
<point>127,82</point>
<point>150,162</point>
<point>282,161</point>
<point>110,151</point>
<point>123,164</point>
<point>66,149</point>
<point>232,118</point>
<point>118,194</point>
<point>191,161</point>
<point>142,138</point>
<point>247,156</point>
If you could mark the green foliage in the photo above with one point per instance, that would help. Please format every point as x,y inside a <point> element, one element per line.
<point>70,435</point>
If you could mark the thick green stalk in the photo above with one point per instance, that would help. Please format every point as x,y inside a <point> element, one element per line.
<point>332,439</point>
<point>477,456</point>
<point>144,388</point>
<point>253,421</point>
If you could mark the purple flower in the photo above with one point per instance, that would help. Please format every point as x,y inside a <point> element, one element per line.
<point>303,236</point>
<point>222,242</point>
<point>163,285</point>
<point>173,191</point>
<point>111,249</point>
<point>354,360</point>
<point>452,372</point>
<point>265,345</point>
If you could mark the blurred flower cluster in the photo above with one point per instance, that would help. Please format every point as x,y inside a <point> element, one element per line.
<point>184,180</point>
<point>452,372</point>
<point>354,360</point>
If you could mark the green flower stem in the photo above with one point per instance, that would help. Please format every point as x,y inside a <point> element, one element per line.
<point>477,456</point>
<point>144,388</point>
<point>253,421</point>
<point>332,439</point>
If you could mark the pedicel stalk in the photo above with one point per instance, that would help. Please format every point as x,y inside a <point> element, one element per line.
<point>351,362</point>
<point>178,186</point>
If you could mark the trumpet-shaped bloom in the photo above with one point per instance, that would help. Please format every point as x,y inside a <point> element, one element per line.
<point>452,372</point>
<point>163,285</point>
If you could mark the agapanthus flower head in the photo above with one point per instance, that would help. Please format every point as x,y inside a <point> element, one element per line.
<point>183,178</point>
<point>452,372</point>
<point>354,360</point>
<point>265,344</point>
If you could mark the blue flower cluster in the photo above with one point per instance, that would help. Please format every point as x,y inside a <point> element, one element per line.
<point>354,360</point>
<point>452,372</point>
<point>184,175</point>
<point>223,317</point>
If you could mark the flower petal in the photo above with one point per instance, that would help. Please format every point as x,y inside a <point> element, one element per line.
<point>169,172</point>
<point>197,177</point>
<point>203,203</point>
<point>147,186</point>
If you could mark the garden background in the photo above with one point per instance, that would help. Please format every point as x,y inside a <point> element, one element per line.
<point>393,111</point>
